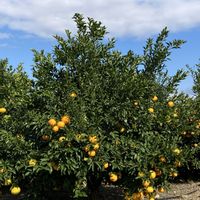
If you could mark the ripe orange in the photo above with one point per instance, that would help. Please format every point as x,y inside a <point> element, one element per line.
<point>55,129</point>
<point>174,174</point>
<point>65,119</point>
<point>150,189</point>
<point>61,139</point>
<point>170,104</point>
<point>106,165</point>
<point>151,110</point>
<point>155,98</point>
<point>73,94</point>
<point>152,174</point>
<point>86,148</point>
<point>32,162</point>
<point>52,122</point>
<point>161,189</point>
<point>113,177</point>
<point>15,190</point>
<point>92,153</point>
<point>93,139</point>
<point>96,146</point>
<point>2,110</point>
<point>177,151</point>
<point>146,183</point>
<point>61,124</point>
<point>137,196</point>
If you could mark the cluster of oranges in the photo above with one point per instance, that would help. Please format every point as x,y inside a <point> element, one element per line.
<point>14,190</point>
<point>147,189</point>
<point>170,104</point>
<point>56,126</point>
<point>93,139</point>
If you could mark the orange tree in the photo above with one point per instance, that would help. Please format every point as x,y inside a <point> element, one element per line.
<point>92,115</point>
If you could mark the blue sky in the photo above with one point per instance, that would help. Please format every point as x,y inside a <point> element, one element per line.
<point>30,24</point>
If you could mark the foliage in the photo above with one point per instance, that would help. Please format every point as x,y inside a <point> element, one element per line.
<point>111,120</point>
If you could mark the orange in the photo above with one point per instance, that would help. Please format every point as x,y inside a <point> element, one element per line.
<point>93,139</point>
<point>55,129</point>
<point>32,162</point>
<point>152,174</point>
<point>61,139</point>
<point>161,189</point>
<point>52,122</point>
<point>146,183</point>
<point>170,104</point>
<point>150,189</point>
<point>151,110</point>
<point>2,110</point>
<point>137,196</point>
<point>15,190</point>
<point>8,182</point>
<point>106,165</point>
<point>155,98</point>
<point>61,124</point>
<point>73,94</point>
<point>113,177</point>
<point>92,153</point>
<point>86,148</point>
<point>96,146</point>
<point>177,151</point>
<point>65,119</point>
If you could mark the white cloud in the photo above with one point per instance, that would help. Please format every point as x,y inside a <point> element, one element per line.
<point>4,35</point>
<point>135,18</point>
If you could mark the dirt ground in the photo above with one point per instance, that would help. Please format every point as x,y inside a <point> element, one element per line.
<point>189,190</point>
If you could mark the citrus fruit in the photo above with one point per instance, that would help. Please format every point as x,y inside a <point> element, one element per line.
<point>55,129</point>
<point>92,153</point>
<point>61,124</point>
<point>96,146</point>
<point>52,122</point>
<point>8,182</point>
<point>65,119</point>
<point>106,165</point>
<point>149,189</point>
<point>151,110</point>
<point>61,139</point>
<point>113,177</point>
<point>15,190</point>
<point>146,183</point>
<point>2,110</point>
<point>93,139</point>
<point>152,174</point>
<point>32,162</point>
<point>161,189</point>
<point>73,94</point>
<point>154,98</point>
<point>170,104</point>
